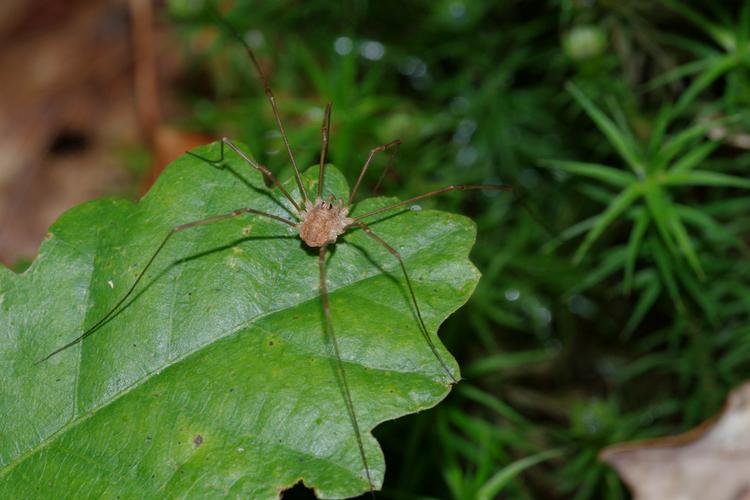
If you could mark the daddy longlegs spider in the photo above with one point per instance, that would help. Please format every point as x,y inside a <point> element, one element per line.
<point>319,222</point>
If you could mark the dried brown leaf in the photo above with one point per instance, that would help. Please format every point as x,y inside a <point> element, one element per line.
<point>711,461</point>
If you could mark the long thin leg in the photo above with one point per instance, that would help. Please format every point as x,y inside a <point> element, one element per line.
<point>373,152</point>
<point>257,166</point>
<point>272,100</point>
<point>339,365</point>
<point>462,187</point>
<point>369,232</point>
<point>172,232</point>
<point>388,167</point>
<point>325,130</point>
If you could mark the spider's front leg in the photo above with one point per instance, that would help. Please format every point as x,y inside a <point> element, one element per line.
<point>182,227</point>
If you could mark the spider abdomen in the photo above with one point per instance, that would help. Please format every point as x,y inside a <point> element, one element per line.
<point>323,222</point>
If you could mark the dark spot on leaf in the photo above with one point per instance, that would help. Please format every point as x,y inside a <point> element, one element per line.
<point>57,380</point>
<point>270,342</point>
<point>148,438</point>
<point>198,440</point>
<point>231,389</point>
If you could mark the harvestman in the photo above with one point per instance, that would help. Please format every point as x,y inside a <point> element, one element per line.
<point>319,223</point>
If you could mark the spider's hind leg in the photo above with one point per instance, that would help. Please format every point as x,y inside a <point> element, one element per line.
<point>422,327</point>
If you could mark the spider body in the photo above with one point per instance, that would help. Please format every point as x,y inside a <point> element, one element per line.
<point>323,221</point>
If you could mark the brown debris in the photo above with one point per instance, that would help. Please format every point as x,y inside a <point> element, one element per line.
<point>66,104</point>
<point>711,461</point>
<point>79,84</point>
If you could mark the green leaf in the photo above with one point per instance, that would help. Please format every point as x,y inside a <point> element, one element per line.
<point>678,73</point>
<point>696,48</point>
<point>507,361</point>
<point>743,28</point>
<point>658,206</point>
<point>216,378</point>
<point>704,178</point>
<point>694,157</point>
<point>616,137</point>
<point>619,204</point>
<point>720,66</point>
<point>659,128</point>
<point>604,173</point>
<point>612,260</point>
<point>569,233</point>
<point>492,402</point>
<point>715,31</point>
<point>711,228</point>
<point>684,242</point>
<point>646,299</point>
<point>634,247</point>
<point>682,140</point>
<point>666,270</point>
<point>699,295</point>
<point>501,478</point>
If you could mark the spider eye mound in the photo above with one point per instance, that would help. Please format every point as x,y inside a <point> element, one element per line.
<point>323,222</point>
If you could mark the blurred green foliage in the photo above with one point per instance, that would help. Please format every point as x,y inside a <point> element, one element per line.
<point>615,294</point>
